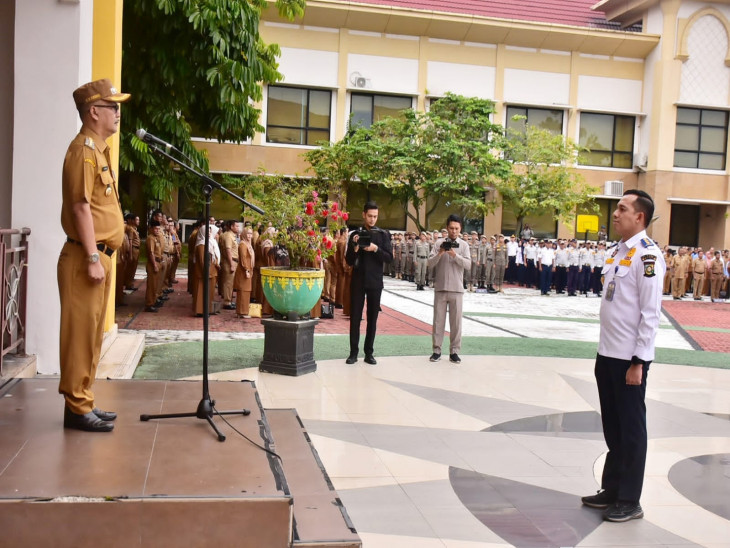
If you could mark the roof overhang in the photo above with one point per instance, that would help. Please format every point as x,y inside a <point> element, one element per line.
<point>471,28</point>
<point>696,201</point>
<point>626,12</point>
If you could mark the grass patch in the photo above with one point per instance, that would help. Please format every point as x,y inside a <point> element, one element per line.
<point>178,360</point>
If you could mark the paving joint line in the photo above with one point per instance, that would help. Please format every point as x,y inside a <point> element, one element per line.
<point>464,315</point>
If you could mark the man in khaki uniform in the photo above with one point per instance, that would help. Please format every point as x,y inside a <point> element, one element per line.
<point>91,217</point>
<point>155,263</point>
<point>681,267</point>
<point>229,262</point>
<point>717,274</point>
<point>698,274</point>
<point>132,231</point>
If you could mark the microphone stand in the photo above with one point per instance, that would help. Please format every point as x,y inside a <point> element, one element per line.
<point>206,406</point>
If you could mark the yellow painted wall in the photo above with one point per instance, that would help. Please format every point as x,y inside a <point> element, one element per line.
<point>106,62</point>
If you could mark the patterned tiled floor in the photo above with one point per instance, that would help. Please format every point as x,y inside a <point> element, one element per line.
<point>498,451</point>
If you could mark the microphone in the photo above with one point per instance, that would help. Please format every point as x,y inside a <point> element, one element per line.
<point>151,139</point>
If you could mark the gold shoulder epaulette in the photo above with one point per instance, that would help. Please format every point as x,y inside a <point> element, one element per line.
<point>89,142</point>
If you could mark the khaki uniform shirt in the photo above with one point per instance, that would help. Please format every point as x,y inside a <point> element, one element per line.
<point>88,177</point>
<point>681,265</point>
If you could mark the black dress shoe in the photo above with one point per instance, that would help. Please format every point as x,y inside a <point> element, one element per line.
<point>88,422</point>
<point>602,500</point>
<point>229,306</point>
<point>104,415</point>
<point>370,359</point>
<point>150,309</point>
<point>352,358</point>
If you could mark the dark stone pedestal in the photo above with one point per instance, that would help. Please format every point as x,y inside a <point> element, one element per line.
<point>288,347</point>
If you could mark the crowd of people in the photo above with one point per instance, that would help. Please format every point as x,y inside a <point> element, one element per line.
<point>562,266</point>
<point>238,250</point>
<point>692,270</point>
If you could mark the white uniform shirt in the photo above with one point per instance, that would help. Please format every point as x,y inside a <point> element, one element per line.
<point>530,252</point>
<point>585,257</point>
<point>599,257</point>
<point>561,256</point>
<point>512,247</point>
<point>546,256</point>
<point>631,307</point>
<point>573,257</point>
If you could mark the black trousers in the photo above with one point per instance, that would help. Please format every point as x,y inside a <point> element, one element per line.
<point>572,279</point>
<point>358,295</point>
<point>560,278</point>
<point>623,413</point>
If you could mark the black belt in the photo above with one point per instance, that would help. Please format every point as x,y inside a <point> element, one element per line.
<point>424,257</point>
<point>106,250</point>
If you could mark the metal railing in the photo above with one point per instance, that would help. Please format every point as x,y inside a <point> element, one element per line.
<point>14,286</point>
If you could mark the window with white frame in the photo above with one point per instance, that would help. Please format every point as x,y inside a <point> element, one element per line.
<point>298,116</point>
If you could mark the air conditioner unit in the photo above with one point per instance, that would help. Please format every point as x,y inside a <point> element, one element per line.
<point>358,80</point>
<point>613,188</point>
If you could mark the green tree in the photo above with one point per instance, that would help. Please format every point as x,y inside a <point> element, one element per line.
<point>446,153</point>
<point>193,68</point>
<point>542,179</point>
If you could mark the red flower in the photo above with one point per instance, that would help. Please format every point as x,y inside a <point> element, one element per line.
<point>316,221</point>
<point>334,206</point>
<point>345,216</point>
<point>328,243</point>
<point>335,216</point>
<point>325,213</point>
<point>310,233</point>
<point>310,208</point>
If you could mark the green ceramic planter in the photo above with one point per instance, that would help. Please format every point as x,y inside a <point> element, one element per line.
<point>290,290</point>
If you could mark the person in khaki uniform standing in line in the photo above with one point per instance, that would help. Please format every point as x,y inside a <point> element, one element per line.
<point>229,262</point>
<point>698,274</point>
<point>132,231</point>
<point>717,277</point>
<point>91,217</point>
<point>680,263</point>
<point>154,264</point>
<point>243,276</point>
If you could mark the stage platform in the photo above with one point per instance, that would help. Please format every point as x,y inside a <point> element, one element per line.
<point>166,482</point>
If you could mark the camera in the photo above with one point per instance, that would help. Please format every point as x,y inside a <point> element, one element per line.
<point>447,245</point>
<point>364,238</point>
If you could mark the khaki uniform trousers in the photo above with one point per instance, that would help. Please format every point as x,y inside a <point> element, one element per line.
<point>131,268</point>
<point>699,279</point>
<point>678,287</point>
<point>225,280</point>
<point>716,285</point>
<point>151,293</point>
<point>441,300</point>
<point>83,307</point>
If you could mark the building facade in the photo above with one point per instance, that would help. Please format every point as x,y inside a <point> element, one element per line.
<point>645,85</point>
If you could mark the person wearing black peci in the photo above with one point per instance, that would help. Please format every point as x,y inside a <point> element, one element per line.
<point>367,279</point>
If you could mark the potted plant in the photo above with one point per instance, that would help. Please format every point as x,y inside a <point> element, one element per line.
<point>305,224</point>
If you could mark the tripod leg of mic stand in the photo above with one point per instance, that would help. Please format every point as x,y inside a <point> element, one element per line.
<point>244,412</point>
<point>221,437</point>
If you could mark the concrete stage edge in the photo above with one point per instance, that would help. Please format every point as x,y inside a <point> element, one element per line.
<point>166,482</point>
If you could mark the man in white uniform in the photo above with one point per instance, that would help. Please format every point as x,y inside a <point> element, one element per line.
<point>630,311</point>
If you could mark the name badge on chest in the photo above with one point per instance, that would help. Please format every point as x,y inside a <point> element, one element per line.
<point>610,290</point>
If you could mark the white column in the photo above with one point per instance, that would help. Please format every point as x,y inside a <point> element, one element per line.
<point>53,46</point>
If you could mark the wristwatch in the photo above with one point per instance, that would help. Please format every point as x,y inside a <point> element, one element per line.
<point>94,258</point>
<point>637,361</point>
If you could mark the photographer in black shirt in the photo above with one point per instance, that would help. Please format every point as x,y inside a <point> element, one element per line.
<point>367,250</point>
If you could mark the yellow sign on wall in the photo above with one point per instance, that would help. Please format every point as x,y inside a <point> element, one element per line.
<point>587,223</point>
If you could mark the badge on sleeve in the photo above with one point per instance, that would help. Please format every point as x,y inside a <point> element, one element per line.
<point>649,262</point>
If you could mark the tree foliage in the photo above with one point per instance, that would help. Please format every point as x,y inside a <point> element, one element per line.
<point>543,179</point>
<point>445,153</point>
<point>193,68</point>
